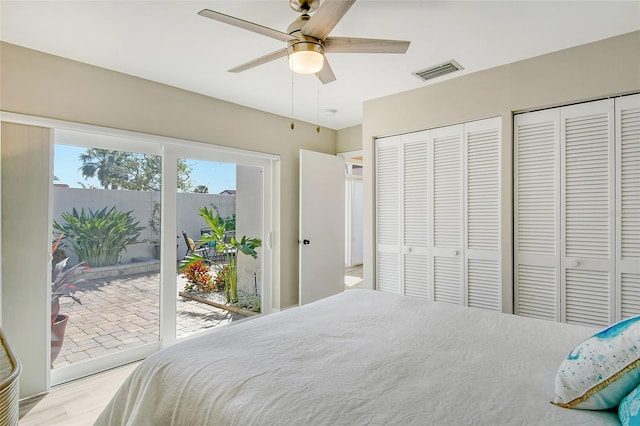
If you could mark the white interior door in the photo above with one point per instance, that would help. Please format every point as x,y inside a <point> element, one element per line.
<point>321,238</point>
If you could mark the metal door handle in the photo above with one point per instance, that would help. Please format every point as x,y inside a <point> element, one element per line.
<point>306,242</point>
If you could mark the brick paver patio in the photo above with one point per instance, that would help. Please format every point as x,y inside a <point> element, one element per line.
<point>121,313</point>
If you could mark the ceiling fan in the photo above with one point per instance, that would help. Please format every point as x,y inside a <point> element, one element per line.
<point>307,38</point>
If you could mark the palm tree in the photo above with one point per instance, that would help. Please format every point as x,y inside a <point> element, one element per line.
<point>107,165</point>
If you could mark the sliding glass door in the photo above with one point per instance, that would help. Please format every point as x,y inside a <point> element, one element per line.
<point>105,301</point>
<point>219,272</point>
<point>147,245</point>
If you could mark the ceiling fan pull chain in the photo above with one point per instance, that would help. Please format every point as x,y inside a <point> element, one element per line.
<point>317,106</point>
<point>292,124</point>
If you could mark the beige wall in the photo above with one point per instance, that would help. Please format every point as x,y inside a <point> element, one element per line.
<point>605,68</point>
<point>26,170</point>
<point>349,139</point>
<point>39,84</point>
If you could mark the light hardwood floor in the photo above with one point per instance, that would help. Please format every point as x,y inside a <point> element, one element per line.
<point>77,403</point>
<point>80,402</point>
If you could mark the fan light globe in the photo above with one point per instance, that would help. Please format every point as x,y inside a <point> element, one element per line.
<point>306,58</point>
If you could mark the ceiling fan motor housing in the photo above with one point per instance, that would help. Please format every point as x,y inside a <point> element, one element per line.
<point>306,53</point>
<point>304,5</point>
<point>306,56</point>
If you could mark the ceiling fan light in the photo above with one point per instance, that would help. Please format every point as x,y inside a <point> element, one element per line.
<point>306,58</point>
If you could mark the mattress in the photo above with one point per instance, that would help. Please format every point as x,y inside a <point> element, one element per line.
<point>362,357</point>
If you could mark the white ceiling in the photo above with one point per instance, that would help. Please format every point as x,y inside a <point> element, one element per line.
<point>166,41</point>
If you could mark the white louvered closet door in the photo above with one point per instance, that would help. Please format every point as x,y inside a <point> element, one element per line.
<point>537,214</point>
<point>628,204</point>
<point>415,213</point>
<point>482,212</point>
<point>447,198</point>
<point>388,181</point>
<point>587,200</point>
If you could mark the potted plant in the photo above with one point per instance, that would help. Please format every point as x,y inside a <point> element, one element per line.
<point>63,284</point>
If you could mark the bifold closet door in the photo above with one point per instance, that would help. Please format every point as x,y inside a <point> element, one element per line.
<point>537,214</point>
<point>447,198</point>
<point>587,198</point>
<point>628,205</point>
<point>482,214</point>
<point>388,199</point>
<point>402,215</point>
<point>438,214</point>
<point>564,234</point>
<point>416,225</point>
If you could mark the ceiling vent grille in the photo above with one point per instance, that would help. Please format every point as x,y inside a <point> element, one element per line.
<point>438,70</point>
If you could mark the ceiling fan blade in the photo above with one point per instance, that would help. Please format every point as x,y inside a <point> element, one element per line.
<point>326,18</point>
<point>246,25</point>
<point>326,75</point>
<point>261,60</point>
<point>364,45</point>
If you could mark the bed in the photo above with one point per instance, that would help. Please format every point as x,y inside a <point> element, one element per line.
<point>362,357</point>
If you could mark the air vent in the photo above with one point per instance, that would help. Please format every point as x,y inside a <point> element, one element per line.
<point>438,70</point>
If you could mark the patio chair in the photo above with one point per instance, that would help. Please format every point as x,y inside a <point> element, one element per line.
<point>193,248</point>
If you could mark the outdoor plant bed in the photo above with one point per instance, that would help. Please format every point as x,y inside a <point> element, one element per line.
<point>206,298</point>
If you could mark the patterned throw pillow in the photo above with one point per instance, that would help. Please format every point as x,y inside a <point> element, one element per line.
<point>602,370</point>
<point>629,409</point>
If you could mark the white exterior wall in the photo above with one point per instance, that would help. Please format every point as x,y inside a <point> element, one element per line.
<point>141,203</point>
<point>248,222</point>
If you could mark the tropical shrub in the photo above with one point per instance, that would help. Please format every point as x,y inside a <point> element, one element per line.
<point>98,237</point>
<point>217,238</point>
<point>229,222</point>
<point>199,278</point>
<point>222,276</point>
<point>245,245</point>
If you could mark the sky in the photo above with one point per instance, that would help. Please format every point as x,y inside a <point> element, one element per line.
<point>216,176</point>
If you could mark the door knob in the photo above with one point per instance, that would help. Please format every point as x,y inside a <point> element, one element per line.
<point>407,250</point>
<point>306,242</point>
<point>572,263</point>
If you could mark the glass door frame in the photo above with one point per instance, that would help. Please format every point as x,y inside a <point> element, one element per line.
<point>204,152</point>
<point>111,142</point>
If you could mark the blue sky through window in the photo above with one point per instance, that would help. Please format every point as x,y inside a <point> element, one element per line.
<point>216,176</point>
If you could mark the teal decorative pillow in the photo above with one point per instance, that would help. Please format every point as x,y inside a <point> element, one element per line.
<point>629,409</point>
<point>602,370</point>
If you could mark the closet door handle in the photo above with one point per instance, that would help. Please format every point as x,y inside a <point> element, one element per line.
<point>454,252</point>
<point>407,250</point>
<point>572,263</point>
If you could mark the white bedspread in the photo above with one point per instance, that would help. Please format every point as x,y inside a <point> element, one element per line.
<point>359,358</point>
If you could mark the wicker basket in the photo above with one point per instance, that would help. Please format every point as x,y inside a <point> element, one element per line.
<point>9,374</point>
